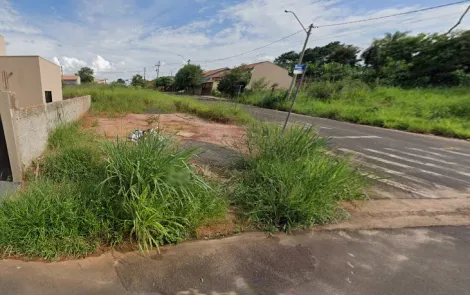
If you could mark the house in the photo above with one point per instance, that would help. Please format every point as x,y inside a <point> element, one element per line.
<point>212,79</point>
<point>31,105</point>
<point>101,81</point>
<point>271,73</point>
<point>35,80</point>
<point>71,80</point>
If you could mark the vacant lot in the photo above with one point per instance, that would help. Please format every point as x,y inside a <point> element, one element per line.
<point>94,189</point>
<point>183,126</point>
<point>440,111</point>
<point>119,100</point>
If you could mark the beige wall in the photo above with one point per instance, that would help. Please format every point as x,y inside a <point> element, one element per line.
<point>27,129</point>
<point>6,105</point>
<point>25,80</point>
<point>3,50</point>
<point>51,79</point>
<point>272,73</point>
<point>31,76</point>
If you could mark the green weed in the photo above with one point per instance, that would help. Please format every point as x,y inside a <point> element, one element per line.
<point>164,199</point>
<point>114,100</point>
<point>92,193</point>
<point>288,181</point>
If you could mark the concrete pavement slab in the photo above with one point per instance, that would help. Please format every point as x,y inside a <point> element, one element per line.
<point>400,261</point>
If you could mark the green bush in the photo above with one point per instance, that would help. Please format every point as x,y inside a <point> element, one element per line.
<point>272,99</point>
<point>93,193</point>
<point>289,181</point>
<point>163,199</point>
<point>322,90</point>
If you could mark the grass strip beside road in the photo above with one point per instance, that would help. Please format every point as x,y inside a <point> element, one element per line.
<point>119,100</point>
<point>439,111</point>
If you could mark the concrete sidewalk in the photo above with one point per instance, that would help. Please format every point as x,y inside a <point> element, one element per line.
<point>401,261</point>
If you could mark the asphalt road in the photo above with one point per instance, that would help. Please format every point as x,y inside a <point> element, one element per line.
<point>425,166</point>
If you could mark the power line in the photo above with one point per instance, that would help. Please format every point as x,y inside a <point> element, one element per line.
<point>460,20</point>
<point>261,47</point>
<point>392,15</point>
<point>331,25</point>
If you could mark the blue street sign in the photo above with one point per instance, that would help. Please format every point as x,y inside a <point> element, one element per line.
<point>299,69</point>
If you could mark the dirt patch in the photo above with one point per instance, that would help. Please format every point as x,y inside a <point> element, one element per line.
<point>227,226</point>
<point>185,127</point>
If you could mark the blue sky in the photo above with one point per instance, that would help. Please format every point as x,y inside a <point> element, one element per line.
<point>118,38</point>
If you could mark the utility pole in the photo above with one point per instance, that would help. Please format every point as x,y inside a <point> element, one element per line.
<point>301,58</point>
<point>145,71</point>
<point>158,68</point>
<point>189,61</point>
<point>293,100</point>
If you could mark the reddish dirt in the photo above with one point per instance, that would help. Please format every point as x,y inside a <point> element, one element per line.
<point>184,126</point>
<point>217,229</point>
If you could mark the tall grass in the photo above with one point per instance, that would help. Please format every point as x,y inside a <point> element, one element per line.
<point>288,181</point>
<point>92,193</point>
<point>163,198</point>
<point>116,100</point>
<point>439,111</point>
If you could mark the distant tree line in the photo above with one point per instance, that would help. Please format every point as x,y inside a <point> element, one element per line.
<point>396,59</point>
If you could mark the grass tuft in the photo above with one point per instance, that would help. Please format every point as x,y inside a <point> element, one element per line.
<point>289,182</point>
<point>92,193</point>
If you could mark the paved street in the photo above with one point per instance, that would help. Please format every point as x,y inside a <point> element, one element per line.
<point>424,166</point>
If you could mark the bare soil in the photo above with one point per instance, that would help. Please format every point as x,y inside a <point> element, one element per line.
<point>184,127</point>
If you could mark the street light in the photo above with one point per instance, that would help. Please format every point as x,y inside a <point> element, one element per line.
<point>301,58</point>
<point>288,11</point>
<point>184,59</point>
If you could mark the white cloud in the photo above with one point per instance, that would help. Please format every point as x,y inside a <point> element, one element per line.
<point>69,64</point>
<point>266,58</point>
<point>56,61</point>
<point>99,64</point>
<point>118,39</point>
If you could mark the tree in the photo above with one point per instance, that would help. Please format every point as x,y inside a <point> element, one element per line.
<point>235,81</point>
<point>287,60</point>
<point>188,77</point>
<point>164,82</point>
<point>120,81</point>
<point>333,52</point>
<point>138,81</point>
<point>86,75</point>
<point>421,60</point>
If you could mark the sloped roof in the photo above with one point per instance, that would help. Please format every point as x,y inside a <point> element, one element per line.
<point>212,72</point>
<point>251,66</point>
<point>70,78</point>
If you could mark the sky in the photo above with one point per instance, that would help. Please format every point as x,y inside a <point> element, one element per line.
<point>119,38</point>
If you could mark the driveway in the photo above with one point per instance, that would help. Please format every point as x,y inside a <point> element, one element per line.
<point>401,261</point>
